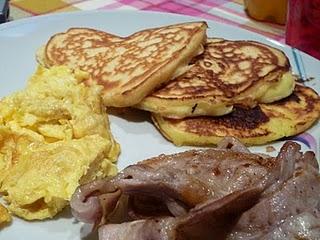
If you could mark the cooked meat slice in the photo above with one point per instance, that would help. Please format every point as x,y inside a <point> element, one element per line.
<point>292,200</point>
<point>303,226</point>
<point>215,217</point>
<point>86,201</point>
<point>212,218</point>
<point>136,230</point>
<point>227,193</point>
<point>85,205</point>
<point>176,183</point>
<point>232,144</point>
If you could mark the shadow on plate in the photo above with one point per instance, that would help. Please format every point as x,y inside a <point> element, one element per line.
<point>130,114</point>
<point>66,213</point>
<point>87,234</point>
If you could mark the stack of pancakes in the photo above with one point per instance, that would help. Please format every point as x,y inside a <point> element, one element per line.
<point>198,90</point>
<point>129,68</point>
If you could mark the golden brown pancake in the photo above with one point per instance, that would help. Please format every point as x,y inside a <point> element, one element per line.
<point>129,68</point>
<point>227,73</point>
<point>76,41</point>
<point>261,124</point>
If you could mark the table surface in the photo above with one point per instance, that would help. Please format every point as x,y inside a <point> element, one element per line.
<point>227,11</point>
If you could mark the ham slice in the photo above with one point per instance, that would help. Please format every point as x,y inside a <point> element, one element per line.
<point>225,193</point>
<point>293,200</point>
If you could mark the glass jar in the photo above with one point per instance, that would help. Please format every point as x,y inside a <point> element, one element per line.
<point>274,11</point>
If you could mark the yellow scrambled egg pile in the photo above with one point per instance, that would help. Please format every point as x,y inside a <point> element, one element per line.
<point>5,216</point>
<point>54,135</point>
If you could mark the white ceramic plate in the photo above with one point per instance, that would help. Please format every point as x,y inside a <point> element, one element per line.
<point>19,41</point>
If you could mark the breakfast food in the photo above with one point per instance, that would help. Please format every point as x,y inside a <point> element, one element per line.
<point>54,135</point>
<point>5,216</point>
<point>289,207</point>
<point>228,73</point>
<point>94,39</point>
<point>226,192</point>
<point>259,125</point>
<point>55,139</point>
<point>128,68</point>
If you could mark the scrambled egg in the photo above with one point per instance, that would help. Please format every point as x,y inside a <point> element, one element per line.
<point>54,135</point>
<point>5,216</point>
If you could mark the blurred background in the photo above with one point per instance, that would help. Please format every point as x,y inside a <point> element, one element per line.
<point>295,22</point>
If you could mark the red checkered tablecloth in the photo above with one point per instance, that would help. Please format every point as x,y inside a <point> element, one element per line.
<point>229,12</point>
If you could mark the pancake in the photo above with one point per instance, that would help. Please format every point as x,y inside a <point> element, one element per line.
<point>72,44</point>
<point>228,73</point>
<point>129,68</point>
<point>259,125</point>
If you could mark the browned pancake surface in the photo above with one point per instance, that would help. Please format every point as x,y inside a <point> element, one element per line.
<point>240,119</point>
<point>123,64</point>
<point>76,44</point>
<point>226,69</point>
<point>264,123</point>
